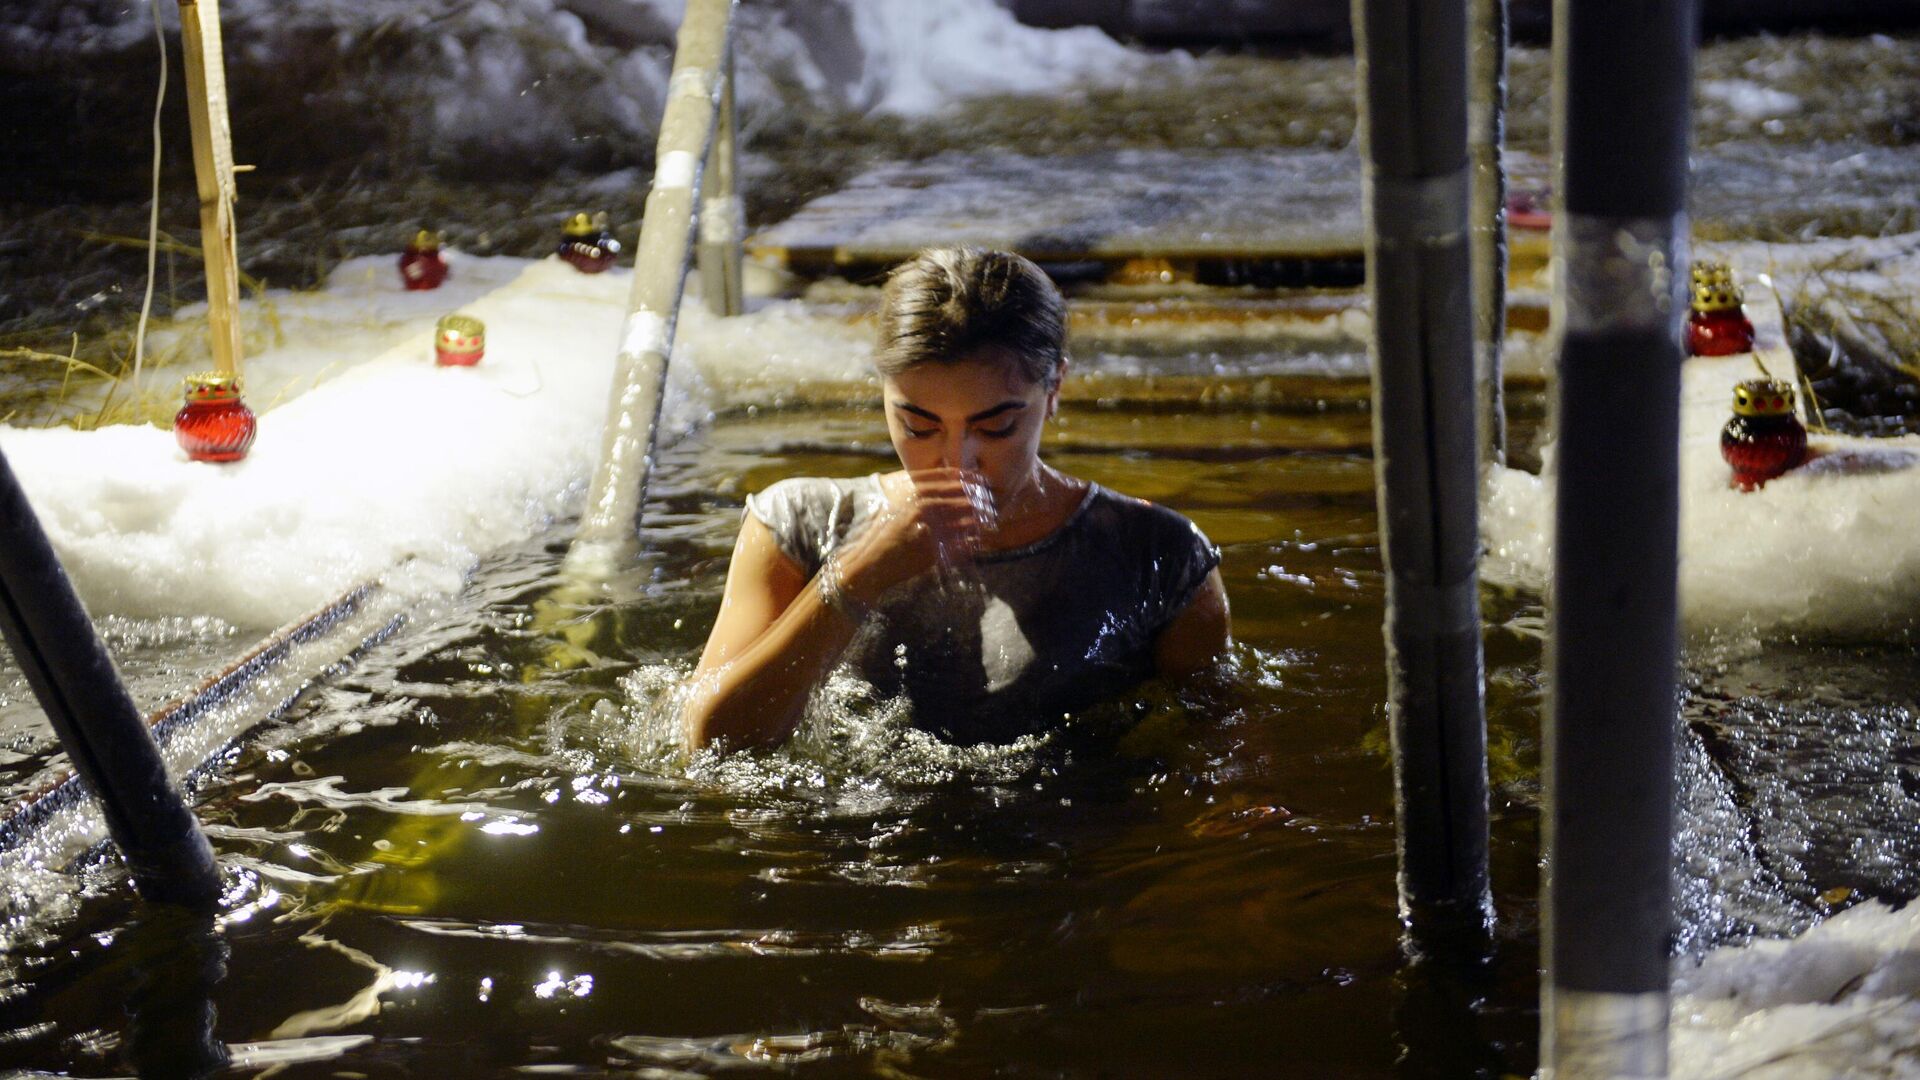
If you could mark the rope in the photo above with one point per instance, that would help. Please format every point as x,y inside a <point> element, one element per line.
<point>153,216</point>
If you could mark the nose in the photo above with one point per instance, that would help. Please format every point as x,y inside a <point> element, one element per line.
<point>960,451</point>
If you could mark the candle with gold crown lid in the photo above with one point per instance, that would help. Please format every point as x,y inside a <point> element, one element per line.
<point>1718,324</point>
<point>422,266</point>
<point>459,341</point>
<point>214,424</point>
<point>1765,438</point>
<point>588,245</point>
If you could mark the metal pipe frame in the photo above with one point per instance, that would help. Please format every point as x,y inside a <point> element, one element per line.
<point>1623,74</point>
<point>608,529</point>
<point>723,221</point>
<point>101,730</point>
<point>1413,111</point>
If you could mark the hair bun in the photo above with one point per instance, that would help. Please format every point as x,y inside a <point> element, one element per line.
<point>946,304</point>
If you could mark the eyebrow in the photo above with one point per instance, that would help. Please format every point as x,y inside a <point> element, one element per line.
<point>984,414</point>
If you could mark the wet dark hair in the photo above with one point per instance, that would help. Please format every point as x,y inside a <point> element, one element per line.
<point>945,304</point>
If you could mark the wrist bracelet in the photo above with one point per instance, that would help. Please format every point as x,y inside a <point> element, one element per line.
<point>833,593</point>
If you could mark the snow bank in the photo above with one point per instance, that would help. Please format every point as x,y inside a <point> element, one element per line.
<point>925,55</point>
<point>1841,1000</point>
<point>1750,99</point>
<point>1831,550</point>
<point>581,80</point>
<point>377,455</point>
<point>391,459</point>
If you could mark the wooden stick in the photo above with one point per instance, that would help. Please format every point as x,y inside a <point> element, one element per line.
<point>1486,134</point>
<point>213,174</point>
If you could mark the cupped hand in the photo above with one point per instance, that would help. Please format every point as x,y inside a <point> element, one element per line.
<point>932,517</point>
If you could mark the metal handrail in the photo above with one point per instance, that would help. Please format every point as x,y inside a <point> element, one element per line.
<point>102,732</point>
<point>697,93</point>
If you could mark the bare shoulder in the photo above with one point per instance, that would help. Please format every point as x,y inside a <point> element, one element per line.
<point>761,581</point>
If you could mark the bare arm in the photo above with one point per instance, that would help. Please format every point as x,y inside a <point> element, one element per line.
<point>1198,635</point>
<point>772,643</point>
<point>775,638</point>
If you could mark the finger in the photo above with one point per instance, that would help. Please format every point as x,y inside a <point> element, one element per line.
<point>945,476</point>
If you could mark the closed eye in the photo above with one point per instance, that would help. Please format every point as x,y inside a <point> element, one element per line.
<point>999,432</point>
<point>919,433</point>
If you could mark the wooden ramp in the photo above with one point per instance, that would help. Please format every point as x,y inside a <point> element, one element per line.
<point>1130,216</point>
<point>1279,218</point>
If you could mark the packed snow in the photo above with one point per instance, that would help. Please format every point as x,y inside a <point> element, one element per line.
<point>1840,1001</point>
<point>497,80</point>
<point>370,454</point>
<point>1750,99</point>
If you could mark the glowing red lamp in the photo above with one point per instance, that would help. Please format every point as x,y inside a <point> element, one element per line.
<point>214,424</point>
<point>588,245</point>
<point>459,341</point>
<point>1764,438</point>
<point>422,266</point>
<point>1717,325</point>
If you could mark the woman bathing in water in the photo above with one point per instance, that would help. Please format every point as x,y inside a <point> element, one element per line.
<point>993,590</point>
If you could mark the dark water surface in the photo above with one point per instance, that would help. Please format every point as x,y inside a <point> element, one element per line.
<point>477,825</point>
<point>473,854</point>
<point>470,855</point>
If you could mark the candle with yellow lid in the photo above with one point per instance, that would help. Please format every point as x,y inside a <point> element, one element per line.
<point>459,341</point>
<point>588,245</point>
<point>1764,438</point>
<point>421,265</point>
<point>214,424</point>
<point>1717,325</point>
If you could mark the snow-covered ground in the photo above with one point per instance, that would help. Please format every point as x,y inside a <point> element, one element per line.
<point>369,454</point>
<point>497,80</point>
<point>1826,551</point>
<point>1840,1001</point>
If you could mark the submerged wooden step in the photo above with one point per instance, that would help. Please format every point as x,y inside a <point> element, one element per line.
<point>1216,217</point>
<point>1272,219</point>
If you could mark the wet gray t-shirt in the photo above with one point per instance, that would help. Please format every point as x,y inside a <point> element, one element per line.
<point>1008,644</point>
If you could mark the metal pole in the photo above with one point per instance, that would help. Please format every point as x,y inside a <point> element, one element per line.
<point>98,725</point>
<point>722,220</point>
<point>1413,110</point>
<point>1622,82</point>
<point>659,280</point>
<point>1486,132</point>
<point>213,173</point>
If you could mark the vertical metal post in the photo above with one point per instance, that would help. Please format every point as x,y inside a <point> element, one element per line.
<point>1623,76</point>
<point>1413,112</point>
<point>98,725</point>
<point>659,280</point>
<point>722,220</point>
<point>1486,133</point>
<point>206,72</point>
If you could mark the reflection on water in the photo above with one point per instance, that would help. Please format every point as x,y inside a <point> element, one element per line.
<point>495,800</point>
<point>485,849</point>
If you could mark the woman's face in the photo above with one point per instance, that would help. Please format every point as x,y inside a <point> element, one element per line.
<point>979,413</point>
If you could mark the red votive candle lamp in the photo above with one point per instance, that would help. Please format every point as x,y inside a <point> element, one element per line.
<point>214,424</point>
<point>459,341</point>
<point>421,265</point>
<point>1718,324</point>
<point>588,245</point>
<point>1764,438</point>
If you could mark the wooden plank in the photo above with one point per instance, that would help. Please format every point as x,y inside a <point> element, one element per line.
<point>1103,207</point>
<point>213,174</point>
